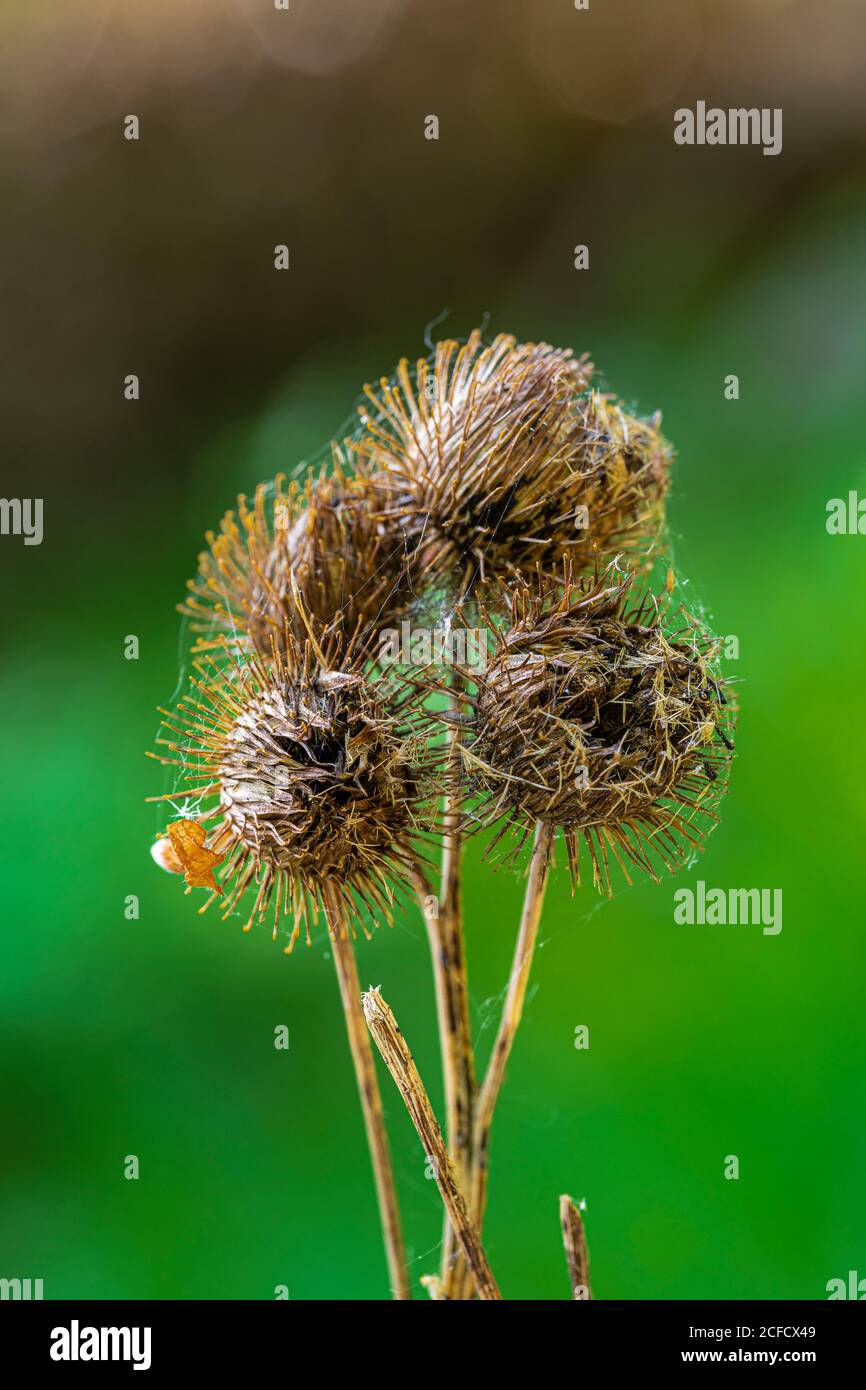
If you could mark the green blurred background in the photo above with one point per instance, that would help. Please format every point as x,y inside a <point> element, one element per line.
<point>155,1037</point>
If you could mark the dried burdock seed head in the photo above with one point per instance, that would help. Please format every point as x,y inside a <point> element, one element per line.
<point>475,452</point>
<point>604,718</point>
<point>310,777</point>
<point>328,541</point>
<point>621,475</point>
<point>496,459</point>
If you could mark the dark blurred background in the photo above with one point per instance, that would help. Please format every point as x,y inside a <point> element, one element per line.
<point>155,1037</point>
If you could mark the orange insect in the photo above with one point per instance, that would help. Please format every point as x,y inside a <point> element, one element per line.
<point>185,852</point>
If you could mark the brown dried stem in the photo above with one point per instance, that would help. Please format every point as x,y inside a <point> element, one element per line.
<point>576,1252</point>
<point>368,1089</point>
<point>458,1063</point>
<point>398,1059</point>
<point>445,932</point>
<point>511,1015</point>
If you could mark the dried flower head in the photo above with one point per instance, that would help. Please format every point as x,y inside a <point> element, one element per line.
<point>311,776</point>
<point>499,458</point>
<point>598,717</point>
<point>475,453</point>
<point>622,472</point>
<point>327,541</point>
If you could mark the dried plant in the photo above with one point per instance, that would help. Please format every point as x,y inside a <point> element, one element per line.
<point>325,549</point>
<point>399,1061</point>
<point>576,1253</point>
<point>500,457</point>
<point>624,473</point>
<point>315,776</point>
<point>310,778</point>
<point>603,717</point>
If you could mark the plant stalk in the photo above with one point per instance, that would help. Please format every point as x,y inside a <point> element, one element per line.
<point>512,1013</point>
<point>447,949</point>
<point>398,1059</point>
<point>576,1252</point>
<point>368,1090</point>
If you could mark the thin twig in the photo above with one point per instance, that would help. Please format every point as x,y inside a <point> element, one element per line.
<point>371,1099</point>
<point>511,1015</point>
<point>458,1063</point>
<point>576,1252</point>
<point>398,1059</point>
<point>445,932</point>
